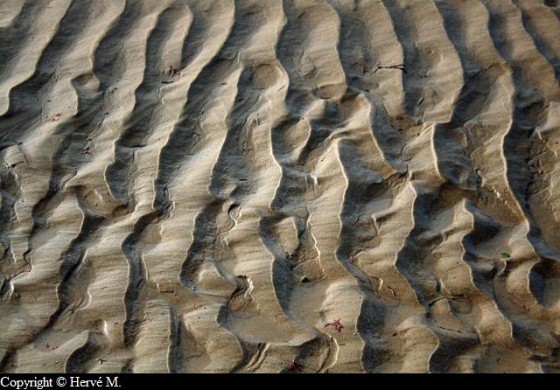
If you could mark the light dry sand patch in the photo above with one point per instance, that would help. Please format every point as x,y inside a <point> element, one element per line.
<point>279,186</point>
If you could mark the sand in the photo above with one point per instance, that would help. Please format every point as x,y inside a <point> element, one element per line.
<point>280,186</point>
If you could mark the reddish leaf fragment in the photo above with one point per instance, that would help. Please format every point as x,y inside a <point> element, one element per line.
<point>336,324</point>
<point>296,367</point>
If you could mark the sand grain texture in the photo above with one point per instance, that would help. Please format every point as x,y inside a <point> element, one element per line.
<point>276,186</point>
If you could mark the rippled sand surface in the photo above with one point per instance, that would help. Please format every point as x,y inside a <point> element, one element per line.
<point>273,186</point>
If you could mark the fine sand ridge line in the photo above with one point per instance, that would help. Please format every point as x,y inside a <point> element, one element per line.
<point>279,186</point>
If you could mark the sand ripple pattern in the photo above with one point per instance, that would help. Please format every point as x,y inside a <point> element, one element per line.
<point>276,186</point>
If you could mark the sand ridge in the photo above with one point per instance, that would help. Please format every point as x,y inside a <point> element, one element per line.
<point>279,186</point>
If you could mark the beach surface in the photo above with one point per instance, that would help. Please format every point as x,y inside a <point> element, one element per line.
<point>279,186</point>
